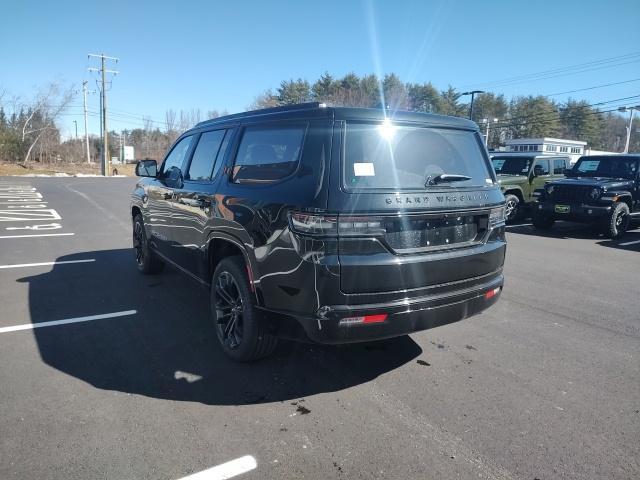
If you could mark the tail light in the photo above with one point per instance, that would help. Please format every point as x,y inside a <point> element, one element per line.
<point>360,226</point>
<point>332,225</point>
<point>496,217</point>
<point>309,224</point>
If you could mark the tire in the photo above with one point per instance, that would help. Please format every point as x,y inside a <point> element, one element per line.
<point>146,260</point>
<point>513,208</point>
<point>542,221</point>
<point>240,327</point>
<point>617,222</point>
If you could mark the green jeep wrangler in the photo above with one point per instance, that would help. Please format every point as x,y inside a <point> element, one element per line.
<point>520,175</point>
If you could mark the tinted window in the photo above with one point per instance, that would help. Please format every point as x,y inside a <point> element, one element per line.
<point>544,165</point>
<point>512,165</point>
<point>558,167</point>
<point>606,166</point>
<point>267,154</point>
<point>178,154</point>
<point>205,155</point>
<point>399,157</point>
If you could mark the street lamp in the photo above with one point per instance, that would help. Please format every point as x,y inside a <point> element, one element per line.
<point>472,93</point>
<point>488,124</point>
<point>630,109</point>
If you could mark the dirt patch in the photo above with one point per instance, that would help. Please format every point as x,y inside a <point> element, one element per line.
<point>11,169</point>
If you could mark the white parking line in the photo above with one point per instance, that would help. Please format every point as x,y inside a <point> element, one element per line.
<point>226,470</point>
<point>40,264</point>
<point>39,235</point>
<point>29,216</point>
<point>90,318</point>
<point>629,243</point>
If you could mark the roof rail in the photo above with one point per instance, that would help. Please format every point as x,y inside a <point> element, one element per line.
<point>265,111</point>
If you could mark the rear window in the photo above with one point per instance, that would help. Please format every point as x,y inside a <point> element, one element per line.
<point>386,156</point>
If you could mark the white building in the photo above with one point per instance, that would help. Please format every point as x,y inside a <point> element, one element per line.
<point>548,146</point>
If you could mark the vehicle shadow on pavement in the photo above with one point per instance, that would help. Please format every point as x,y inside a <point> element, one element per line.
<point>169,350</point>
<point>580,231</point>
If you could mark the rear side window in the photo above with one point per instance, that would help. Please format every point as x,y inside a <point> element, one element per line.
<point>268,154</point>
<point>385,156</point>
<point>558,167</point>
<point>204,156</point>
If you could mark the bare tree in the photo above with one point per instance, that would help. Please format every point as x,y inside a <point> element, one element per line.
<point>170,120</point>
<point>50,102</point>
<point>265,100</point>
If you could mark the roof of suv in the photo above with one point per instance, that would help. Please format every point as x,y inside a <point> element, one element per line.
<point>315,109</point>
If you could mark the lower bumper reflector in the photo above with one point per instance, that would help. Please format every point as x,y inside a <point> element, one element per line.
<point>361,320</point>
<point>492,293</point>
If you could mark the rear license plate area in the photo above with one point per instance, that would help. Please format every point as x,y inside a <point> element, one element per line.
<point>408,234</point>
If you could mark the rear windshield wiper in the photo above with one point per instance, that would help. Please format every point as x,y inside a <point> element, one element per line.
<point>445,178</point>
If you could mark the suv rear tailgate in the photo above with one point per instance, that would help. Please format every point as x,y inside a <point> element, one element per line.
<point>426,253</point>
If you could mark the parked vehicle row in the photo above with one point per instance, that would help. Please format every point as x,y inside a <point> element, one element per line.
<point>521,175</point>
<point>603,190</point>
<point>330,225</point>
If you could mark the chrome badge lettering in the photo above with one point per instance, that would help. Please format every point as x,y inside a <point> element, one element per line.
<point>445,199</point>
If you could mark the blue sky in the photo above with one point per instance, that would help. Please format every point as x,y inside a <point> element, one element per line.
<point>221,54</point>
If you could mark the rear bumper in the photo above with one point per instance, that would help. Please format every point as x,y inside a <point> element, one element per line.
<point>578,212</point>
<point>403,317</point>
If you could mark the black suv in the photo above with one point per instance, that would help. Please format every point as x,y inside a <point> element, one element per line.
<point>599,189</point>
<point>333,225</point>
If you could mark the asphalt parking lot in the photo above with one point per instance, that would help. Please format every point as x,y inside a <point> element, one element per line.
<point>106,373</point>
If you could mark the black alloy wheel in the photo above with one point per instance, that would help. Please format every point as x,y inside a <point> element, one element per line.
<point>241,328</point>
<point>146,261</point>
<point>229,310</point>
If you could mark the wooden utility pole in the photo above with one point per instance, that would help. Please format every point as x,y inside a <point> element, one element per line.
<point>105,170</point>
<point>86,131</point>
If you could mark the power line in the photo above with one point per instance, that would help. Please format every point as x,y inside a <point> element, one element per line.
<point>551,115</point>
<point>592,88</point>
<point>556,112</point>
<point>561,71</point>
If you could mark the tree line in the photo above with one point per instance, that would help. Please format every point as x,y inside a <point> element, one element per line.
<point>529,116</point>
<point>29,131</point>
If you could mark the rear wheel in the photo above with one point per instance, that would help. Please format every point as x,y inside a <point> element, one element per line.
<point>146,260</point>
<point>617,223</point>
<point>512,208</point>
<point>542,221</point>
<point>241,329</point>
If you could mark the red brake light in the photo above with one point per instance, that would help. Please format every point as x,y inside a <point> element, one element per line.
<point>492,293</point>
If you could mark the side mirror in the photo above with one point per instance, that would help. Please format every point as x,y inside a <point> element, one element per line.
<point>173,178</point>
<point>147,168</point>
<point>567,171</point>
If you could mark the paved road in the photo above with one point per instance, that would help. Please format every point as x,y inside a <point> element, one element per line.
<point>544,385</point>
